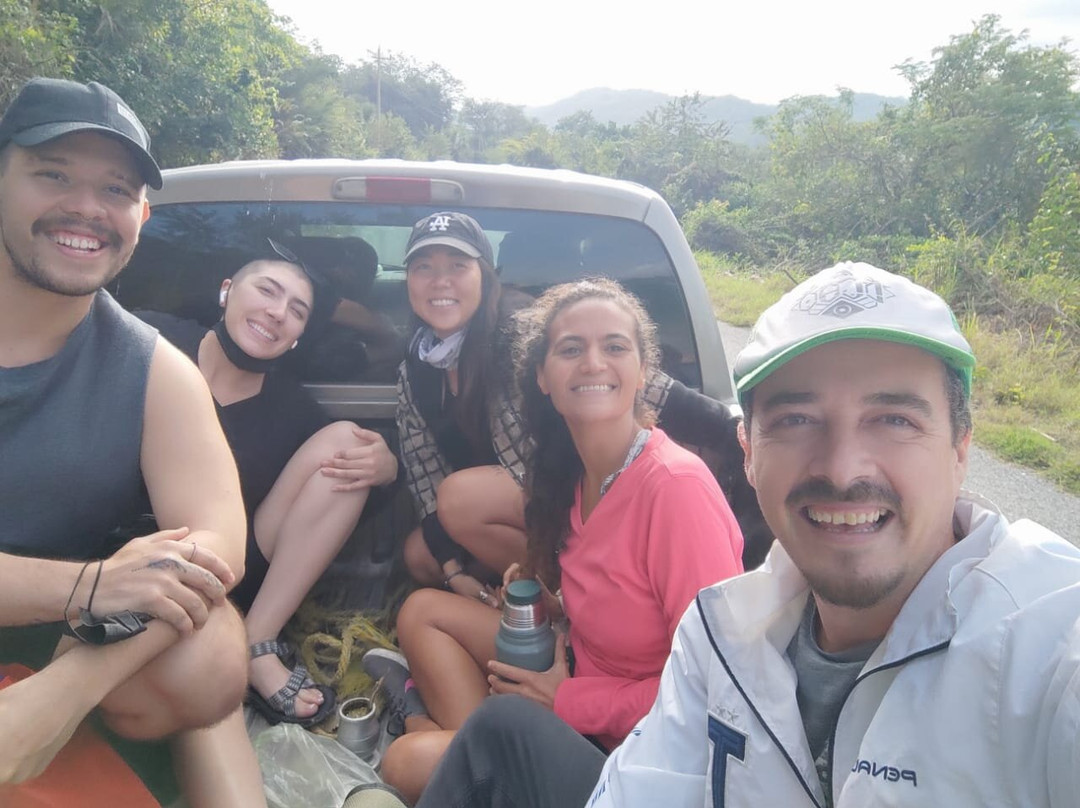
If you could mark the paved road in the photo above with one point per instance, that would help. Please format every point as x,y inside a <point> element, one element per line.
<point>1018,492</point>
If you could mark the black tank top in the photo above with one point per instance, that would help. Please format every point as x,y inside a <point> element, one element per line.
<point>70,436</point>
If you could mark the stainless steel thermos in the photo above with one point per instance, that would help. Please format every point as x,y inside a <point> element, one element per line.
<point>525,638</point>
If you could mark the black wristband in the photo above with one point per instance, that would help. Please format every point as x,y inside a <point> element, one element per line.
<point>438,541</point>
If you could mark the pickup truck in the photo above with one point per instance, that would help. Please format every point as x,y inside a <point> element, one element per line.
<point>547,226</point>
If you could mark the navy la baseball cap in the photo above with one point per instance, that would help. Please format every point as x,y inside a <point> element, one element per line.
<point>46,109</point>
<point>852,301</point>
<point>450,229</point>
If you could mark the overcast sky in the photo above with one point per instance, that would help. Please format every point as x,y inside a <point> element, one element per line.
<point>762,50</point>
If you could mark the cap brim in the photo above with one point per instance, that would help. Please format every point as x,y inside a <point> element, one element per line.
<point>36,135</point>
<point>442,241</point>
<point>956,358</point>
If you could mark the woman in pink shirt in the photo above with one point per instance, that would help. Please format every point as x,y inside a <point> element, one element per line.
<point>627,524</point>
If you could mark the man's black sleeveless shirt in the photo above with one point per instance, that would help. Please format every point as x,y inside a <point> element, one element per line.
<point>70,437</point>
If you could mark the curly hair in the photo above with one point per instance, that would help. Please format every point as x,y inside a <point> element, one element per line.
<point>554,468</point>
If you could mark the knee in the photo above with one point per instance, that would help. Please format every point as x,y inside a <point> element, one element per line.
<point>502,717</point>
<point>397,766</point>
<point>456,504</point>
<point>411,759</point>
<point>338,435</point>
<point>195,683</point>
<point>418,614</point>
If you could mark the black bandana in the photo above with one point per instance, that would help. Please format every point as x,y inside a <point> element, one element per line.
<point>239,357</point>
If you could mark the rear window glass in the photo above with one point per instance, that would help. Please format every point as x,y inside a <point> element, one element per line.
<point>186,250</point>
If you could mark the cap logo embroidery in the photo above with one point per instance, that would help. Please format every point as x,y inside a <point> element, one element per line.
<point>843,297</point>
<point>129,116</point>
<point>439,223</point>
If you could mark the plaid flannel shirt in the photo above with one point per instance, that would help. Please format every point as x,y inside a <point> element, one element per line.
<point>425,466</point>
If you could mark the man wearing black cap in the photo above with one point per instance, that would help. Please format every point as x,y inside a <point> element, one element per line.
<point>92,404</point>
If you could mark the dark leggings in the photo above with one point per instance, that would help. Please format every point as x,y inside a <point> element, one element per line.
<point>513,753</point>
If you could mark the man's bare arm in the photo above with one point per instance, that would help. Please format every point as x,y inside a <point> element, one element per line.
<point>34,590</point>
<point>187,464</point>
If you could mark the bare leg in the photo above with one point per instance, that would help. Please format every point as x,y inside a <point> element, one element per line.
<point>39,714</point>
<point>411,760</point>
<point>448,641</point>
<point>300,527</point>
<point>200,683</point>
<point>217,767</point>
<point>483,509</point>
<point>196,682</point>
<point>193,683</point>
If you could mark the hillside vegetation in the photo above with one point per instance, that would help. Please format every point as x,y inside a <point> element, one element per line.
<point>972,186</point>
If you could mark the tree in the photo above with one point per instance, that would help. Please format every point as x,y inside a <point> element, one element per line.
<point>980,111</point>
<point>488,123</point>
<point>538,149</point>
<point>314,117</point>
<point>202,75</point>
<point>585,144</point>
<point>830,176</point>
<point>33,42</point>
<point>678,152</point>
<point>1054,234</point>
<point>424,96</point>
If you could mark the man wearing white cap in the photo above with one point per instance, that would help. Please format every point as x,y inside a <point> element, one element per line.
<point>903,644</point>
<point>93,405</point>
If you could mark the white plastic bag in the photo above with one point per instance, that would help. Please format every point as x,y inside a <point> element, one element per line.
<point>304,770</point>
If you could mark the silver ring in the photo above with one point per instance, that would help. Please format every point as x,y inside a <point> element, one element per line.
<point>194,550</point>
<point>483,596</point>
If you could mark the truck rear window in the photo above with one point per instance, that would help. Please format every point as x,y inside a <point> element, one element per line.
<point>187,249</point>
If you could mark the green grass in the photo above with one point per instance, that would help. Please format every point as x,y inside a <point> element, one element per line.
<point>1026,401</point>
<point>1026,396</point>
<point>739,295</point>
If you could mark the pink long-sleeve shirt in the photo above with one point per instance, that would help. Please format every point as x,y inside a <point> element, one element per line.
<point>661,532</point>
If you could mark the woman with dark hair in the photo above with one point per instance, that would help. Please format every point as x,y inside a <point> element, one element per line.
<point>299,511</point>
<point>456,420</point>
<point>462,442</point>
<point>625,523</point>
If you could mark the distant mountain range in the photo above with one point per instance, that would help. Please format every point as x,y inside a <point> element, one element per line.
<point>627,106</point>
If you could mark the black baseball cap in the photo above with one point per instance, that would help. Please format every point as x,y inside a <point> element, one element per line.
<point>450,229</point>
<point>46,109</point>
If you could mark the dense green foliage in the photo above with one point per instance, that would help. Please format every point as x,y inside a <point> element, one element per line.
<point>973,186</point>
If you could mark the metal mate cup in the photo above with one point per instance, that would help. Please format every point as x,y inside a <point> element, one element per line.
<point>358,727</point>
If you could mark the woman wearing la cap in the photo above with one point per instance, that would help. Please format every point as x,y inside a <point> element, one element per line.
<point>462,442</point>
<point>300,511</point>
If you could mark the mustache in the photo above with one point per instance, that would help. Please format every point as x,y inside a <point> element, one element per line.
<point>858,492</point>
<point>100,232</point>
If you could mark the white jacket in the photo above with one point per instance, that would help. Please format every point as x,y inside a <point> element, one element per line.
<point>972,699</point>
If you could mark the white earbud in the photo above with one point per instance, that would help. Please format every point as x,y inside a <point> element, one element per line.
<point>223,297</point>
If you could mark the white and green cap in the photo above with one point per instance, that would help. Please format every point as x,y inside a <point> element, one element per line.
<point>852,301</point>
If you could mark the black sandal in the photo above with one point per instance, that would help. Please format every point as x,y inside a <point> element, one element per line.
<point>280,708</point>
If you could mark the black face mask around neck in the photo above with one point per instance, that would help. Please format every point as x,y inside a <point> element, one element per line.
<point>243,360</point>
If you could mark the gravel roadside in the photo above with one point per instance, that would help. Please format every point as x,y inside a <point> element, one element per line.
<point>1018,492</point>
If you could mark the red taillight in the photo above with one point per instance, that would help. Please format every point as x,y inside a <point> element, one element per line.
<point>399,190</point>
